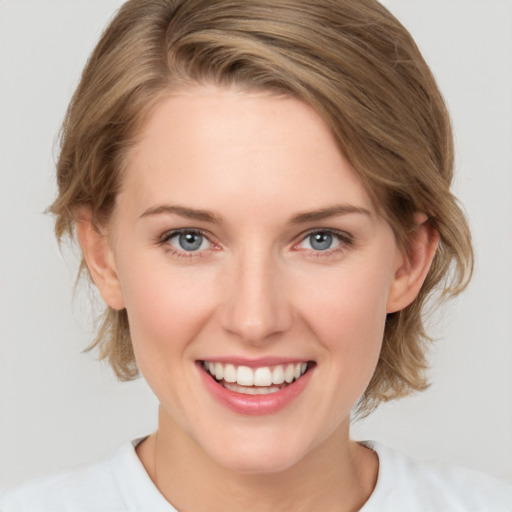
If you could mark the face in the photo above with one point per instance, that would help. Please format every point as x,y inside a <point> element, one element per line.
<point>245,246</point>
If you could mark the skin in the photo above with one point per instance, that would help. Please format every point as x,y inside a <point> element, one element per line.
<point>255,288</point>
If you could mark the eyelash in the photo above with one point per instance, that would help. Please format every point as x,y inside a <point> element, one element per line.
<point>166,237</point>
<point>345,241</point>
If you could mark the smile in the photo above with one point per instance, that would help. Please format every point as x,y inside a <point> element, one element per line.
<point>253,389</point>
<point>255,381</point>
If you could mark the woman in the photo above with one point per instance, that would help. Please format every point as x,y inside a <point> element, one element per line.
<point>261,194</point>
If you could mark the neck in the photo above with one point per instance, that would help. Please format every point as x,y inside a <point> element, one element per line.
<point>339,475</point>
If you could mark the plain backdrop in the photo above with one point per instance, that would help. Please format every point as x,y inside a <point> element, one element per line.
<point>59,406</point>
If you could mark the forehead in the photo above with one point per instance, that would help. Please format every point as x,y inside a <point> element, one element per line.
<point>208,146</point>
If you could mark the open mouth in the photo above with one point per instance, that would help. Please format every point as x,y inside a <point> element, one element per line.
<point>262,380</point>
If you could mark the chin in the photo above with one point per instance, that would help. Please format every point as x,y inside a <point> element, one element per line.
<point>257,457</point>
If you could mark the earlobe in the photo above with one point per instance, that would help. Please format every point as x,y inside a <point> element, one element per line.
<point>413,266</point>
<point>100,261</point>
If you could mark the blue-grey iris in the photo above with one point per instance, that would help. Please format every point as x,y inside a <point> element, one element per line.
<point>190,241</point>
<point>320,241</point>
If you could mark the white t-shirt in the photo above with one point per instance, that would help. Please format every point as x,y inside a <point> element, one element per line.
<point>121,484</point>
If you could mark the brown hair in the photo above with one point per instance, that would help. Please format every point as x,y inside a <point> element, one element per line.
<point>351,60</point>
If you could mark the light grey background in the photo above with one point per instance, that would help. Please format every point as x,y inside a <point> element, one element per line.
<point>59,406</point>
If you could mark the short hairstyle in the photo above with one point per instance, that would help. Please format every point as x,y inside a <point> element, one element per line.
<point>350,60</point>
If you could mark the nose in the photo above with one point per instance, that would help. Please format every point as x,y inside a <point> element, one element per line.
<point>257,307</point>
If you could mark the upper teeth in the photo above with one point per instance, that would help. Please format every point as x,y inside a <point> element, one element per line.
<point>261,376</point>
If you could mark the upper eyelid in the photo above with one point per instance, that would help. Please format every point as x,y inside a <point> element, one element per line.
<point>165,238</point>
<point>173,232</point>
<point>339,233</point>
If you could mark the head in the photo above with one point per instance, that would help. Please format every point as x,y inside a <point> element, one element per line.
<point>349,61</point>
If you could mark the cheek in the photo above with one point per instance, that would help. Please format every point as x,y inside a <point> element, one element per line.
<point>350,305</point>
<point>166,307</point>
<point>347,316</point>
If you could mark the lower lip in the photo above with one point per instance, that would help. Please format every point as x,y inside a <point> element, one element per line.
<point>254,405</point>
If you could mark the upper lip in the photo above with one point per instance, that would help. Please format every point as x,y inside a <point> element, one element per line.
<point>256,363</point>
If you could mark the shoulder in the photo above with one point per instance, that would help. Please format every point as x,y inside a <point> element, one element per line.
<point>88,487</point>
<point>119,483</point>
<point>406,484</point>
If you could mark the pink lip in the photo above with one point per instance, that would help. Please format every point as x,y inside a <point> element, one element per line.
<point>254,405</point>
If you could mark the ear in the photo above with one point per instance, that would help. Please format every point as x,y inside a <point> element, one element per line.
<point>99,257</point>
<point>413,265</point>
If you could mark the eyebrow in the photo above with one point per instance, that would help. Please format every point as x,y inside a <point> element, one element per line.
<point>182,211</point>
<point>300,218</point>
<point>325,213</point>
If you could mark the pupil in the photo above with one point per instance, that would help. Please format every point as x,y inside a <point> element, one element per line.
<point>190,241</point>
<point>321,241</point>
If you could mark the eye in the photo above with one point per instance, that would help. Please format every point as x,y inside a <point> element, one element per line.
<point>188,241</point>
<point>321,240</point>
<point>324,242</point>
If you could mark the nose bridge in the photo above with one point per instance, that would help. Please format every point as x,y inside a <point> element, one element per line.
<point>257,305</point>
